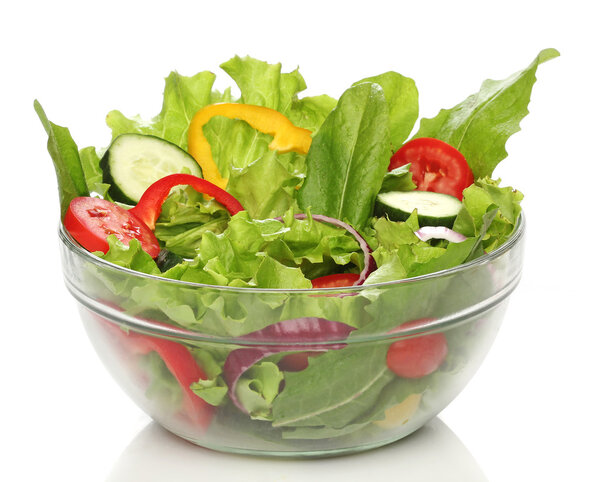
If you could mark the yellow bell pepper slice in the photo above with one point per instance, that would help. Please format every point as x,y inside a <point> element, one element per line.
<point>400,413</point>
<point>286,136</point>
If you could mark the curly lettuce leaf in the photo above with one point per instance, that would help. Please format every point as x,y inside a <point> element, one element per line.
<point>130,256</point>
<point>486,199</point>
<point>266,187</point>
<point>480,125</point>
<point>212,391</point>
<point>183,96</point>
<point>236,145</point>
<point>267,254</point>
<point>186,215</point>
<point>257,388</point>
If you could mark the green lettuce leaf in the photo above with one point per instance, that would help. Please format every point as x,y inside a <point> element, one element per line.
<point>403,101</point>
<point>335,388</point>
<point>130,256</point>
<point>266,188</point>
<point>90,163</point>
<point>186,215</point>
<point>399,179</point>
<point>163,389</point>
<point>480,125</point>
<point>236,145</point>
<point>483,197</point>
<point>267,253</point>
<point>212,391</point>
<point>183,96</point>
<point>349,157</point>
<point>257,388</point>
<point>67,164</point>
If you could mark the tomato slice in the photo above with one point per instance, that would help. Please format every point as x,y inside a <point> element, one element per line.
<point>335,280</point>
<point>419,356</point>
<point>435,166</point>
<point>90,220</point>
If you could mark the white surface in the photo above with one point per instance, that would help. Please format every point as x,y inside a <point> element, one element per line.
<point>530,413</point>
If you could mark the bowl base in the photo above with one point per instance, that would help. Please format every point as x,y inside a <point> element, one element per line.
<point>296,454</point>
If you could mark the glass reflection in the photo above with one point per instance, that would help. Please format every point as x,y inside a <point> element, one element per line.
<point>433,453</point>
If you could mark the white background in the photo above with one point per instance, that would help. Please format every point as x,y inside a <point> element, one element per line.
<point>532,410</point>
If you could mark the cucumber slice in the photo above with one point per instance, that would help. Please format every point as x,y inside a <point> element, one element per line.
<point>433,209</point>
<point>134,161</point>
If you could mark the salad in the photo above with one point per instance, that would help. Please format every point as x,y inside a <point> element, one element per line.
<point>273,191</point>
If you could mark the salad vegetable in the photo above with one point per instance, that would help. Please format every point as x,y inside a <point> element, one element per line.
<point>91,220</point>
<point>133,162</point>
<point>286,136</point>
<point>180,363</point>
<point>435,166</point>
<point>280,192</point>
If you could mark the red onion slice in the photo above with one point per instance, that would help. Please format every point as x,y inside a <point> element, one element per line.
<point>439,232</point>
<point>370,264</point>
<point>299,334</point>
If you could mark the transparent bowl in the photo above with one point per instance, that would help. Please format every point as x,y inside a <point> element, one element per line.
<point>165,342</point>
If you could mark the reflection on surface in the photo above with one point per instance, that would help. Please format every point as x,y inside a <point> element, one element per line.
<point>433,453</point>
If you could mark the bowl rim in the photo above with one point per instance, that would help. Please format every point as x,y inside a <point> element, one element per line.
<point>515,237</point>
<point>178,332</point>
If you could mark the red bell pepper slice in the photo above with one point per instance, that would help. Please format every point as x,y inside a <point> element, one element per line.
<point>90,220</point>
<point>178,360</point>
<point>150,204</point>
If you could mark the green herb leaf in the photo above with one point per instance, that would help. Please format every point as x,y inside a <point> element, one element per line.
<point>349,157</point>
<point>403,101</point>
<point>64,153</point>
<point>480,126</point>
<point>334,389</point>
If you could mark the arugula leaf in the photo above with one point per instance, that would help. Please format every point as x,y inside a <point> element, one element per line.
<point>64,153</point>
<point>394,393</point>
<point>334,389</point>
<point>348,157</point>
<point>403,101</point>
<point>480,125</point>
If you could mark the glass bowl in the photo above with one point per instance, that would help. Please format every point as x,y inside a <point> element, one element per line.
<point>293,372</point>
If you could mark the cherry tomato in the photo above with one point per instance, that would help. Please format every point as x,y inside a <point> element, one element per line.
<point>335,280</point>
<point>419,356</point>
<point>91,220</point>
<point>435,166</point>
